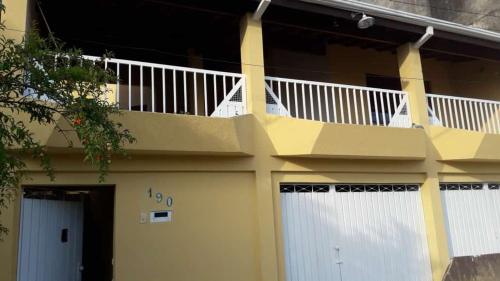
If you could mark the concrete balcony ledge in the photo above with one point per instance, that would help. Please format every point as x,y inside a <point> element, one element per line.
<point>166,134</point>
<point>466,146</point>
<point>304,138</point>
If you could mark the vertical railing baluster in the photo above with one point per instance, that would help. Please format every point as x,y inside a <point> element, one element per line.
<point>476,115</point>
<point>295,94</point>
<point>363,113</point>
<point>450,109</point>
<point>375,98</point>
<point>152,90</point>
<point>370,117</point>
<point>432,108</point>
<point>439,113</point>
<point>320,112</point>
<point>497,118</point>
<point>455,110</point>
<point>348,100</point>
<point>311,101</point>
<point>445,112</point>
<point>304,101</point>
<point>355,101</point>
<point>466,111</point>
<point>174,76</point>
<point>205,95</point>
<point>488,118</point>
<point>389,110</point>
<point>395,106</point>
<point>334,104</point>
<point>130,87</point>
<point>492,118</point>
<point>288,100</point>
<point>185,91</point>
<point>215,92</point>
<point>195,94</point>
<point>118,84</point>
<point>341,103</point>
<point>381,97</point>
<point>461,112</point>
<point>224,85</point>
<point>483,122</point>
<point>327,104</point>
<point>142,90</point>
<point>164,92</point>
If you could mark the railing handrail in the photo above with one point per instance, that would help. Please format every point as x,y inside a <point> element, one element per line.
<point>270,78</point>
<point>166,66</point>
<point>462,98</point>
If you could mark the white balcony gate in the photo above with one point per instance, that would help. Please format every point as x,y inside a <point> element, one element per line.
<point>464,113</point>
<point>143,86</point>
<point>337,103</point>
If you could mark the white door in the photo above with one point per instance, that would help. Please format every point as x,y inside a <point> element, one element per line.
<point>50,247</point>
<point>472,213</point>
<point>354,233</point>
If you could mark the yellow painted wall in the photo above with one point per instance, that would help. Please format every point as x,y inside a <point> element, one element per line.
<point>298,65</point>
<point>340,64</point>
<point>351,64</point>
<point>224,174</point>
<point>15,20</point>
<point>474,79</point>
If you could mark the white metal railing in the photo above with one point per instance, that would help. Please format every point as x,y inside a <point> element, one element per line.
<point>464,113</point>
<point>337,103</point>
<point>143,86</point>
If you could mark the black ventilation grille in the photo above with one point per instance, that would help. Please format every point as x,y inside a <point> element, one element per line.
<point>304,188</point>
<point>468,186</point>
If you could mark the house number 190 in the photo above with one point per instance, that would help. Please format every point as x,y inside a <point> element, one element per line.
<point>159,197</point>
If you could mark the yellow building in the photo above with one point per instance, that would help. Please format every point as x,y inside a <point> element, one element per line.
<point>298,142</point>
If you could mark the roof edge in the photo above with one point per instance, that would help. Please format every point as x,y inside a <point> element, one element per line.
<point>402,16</point>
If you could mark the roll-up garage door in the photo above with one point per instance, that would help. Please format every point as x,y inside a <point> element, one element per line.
<point>354,232</point>
<point>472,213</point>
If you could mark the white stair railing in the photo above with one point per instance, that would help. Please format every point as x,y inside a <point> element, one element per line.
<point>464,113</point>
<point>151,87</point>
<point>337,103</point>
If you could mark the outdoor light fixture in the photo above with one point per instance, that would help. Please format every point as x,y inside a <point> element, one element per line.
<point>365,22</point>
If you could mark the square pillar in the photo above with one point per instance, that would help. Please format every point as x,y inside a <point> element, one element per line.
<point>252,65</point>
<point>412,82</point>
<point>15,18</point>
<point>435,226</point>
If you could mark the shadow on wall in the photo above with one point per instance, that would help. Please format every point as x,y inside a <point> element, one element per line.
<point>479,268</point>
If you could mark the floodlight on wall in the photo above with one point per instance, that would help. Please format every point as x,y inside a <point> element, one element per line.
<point>366,22</point>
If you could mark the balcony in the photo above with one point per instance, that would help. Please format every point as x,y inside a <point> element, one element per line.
<point>337,103</point>
<point>464,113</point>
<point>457,121</point>
<point>327,120</point>
<point>150,87</point>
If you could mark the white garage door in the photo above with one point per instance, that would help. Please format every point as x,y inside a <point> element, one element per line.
<point>472,212</point>
<point>354,233</point>
<point>50,245</point>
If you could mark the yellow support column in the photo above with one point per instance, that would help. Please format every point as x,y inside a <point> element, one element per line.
<point>15,18</point>
<point>412,81</point>
<point>16,21</point>
<point>252,65</point>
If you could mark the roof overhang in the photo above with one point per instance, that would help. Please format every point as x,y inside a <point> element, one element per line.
<point>410,18</point>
